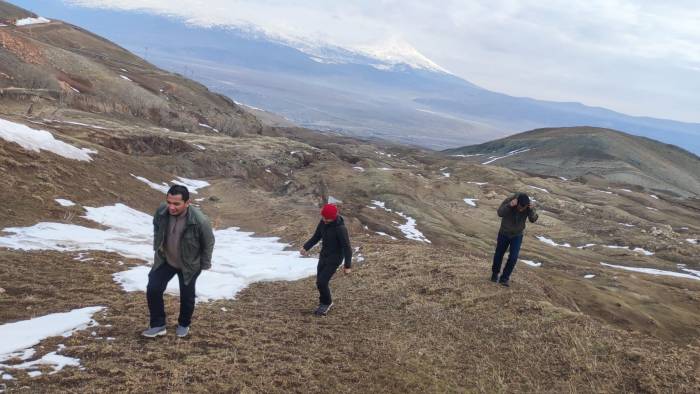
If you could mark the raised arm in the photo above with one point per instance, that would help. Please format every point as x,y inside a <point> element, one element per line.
<point>505,206</point>
<point>532,214</point>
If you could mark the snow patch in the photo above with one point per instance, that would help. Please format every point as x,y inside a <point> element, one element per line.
<point>585,246</point>
<point>471,201</point>
<point>509,154</point>
<point>31,21</point>
<point>239,258</point>
<point>359,169</point>
<point>692,241</point>
<point>478,183</point>
<point>589,276</point>
<point>409,228</point>
<point>552,243</point>
<point>653,271</point>
<point>23,335</point>
<point>124,77</point>
<point>192,184</point>
<point>531,263</point>
<point>637,250</point>
<point>64,203</point>
<point>539,188</point>
<point>37,140</point>
<point>654,196</point>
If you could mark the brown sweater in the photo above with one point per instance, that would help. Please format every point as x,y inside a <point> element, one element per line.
<point>176,226</point>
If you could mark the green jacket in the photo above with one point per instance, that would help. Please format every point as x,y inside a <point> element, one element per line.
<point>513,221</point>
<point>197,244</point>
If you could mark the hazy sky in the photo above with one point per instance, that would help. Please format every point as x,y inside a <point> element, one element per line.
<point>634,56</point>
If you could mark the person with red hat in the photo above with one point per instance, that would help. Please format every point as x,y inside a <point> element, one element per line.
<point>335,247</point>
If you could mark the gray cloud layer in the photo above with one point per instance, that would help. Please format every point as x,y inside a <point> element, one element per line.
<point>638,57</point>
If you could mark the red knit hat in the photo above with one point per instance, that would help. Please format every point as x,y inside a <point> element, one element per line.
<point>329,212</point>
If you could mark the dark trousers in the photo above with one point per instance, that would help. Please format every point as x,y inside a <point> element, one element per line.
<point>324,273</point>
<point>505,242</point>
<point>157,283</point>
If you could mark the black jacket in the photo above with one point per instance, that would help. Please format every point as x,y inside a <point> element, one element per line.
<point>513,222</point>
<point>335,242</point>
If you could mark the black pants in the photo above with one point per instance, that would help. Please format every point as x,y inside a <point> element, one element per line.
<point>157,283</point>
<point>504,243</point>
<point>324,273</point>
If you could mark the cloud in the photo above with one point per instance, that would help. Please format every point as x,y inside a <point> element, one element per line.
<point>637,56</point>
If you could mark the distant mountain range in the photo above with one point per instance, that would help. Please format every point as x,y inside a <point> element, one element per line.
<point>390,91</point>
<point>587,152</point>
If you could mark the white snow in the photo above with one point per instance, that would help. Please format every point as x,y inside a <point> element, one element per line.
<point>200,147</point>
<point>472,155</point>
<point>511,153</point>
<point>479,183</point>
<point>164,187</point>
<point>627,224</point>
<point>471,201</point>
<point>64,203</point>
<point>563,179</point>
<point>531,263</point>
<point>76,124</point>
<point>268,171</point>
<point>192,184</point>
<point>538,188</point>
<point>239,258</point>
<point>6,376</point>
<point>37,140</point>
<point>74,89</point>
<point>604,191</point>
<point>637,250</point>
<point>694,272</point>
<point>31,21</point>
<point>692,241</point>
<point>409,228</point>
<point>652,209</point>
<point>22,335</point>
<point>55,360</point>
<point>552,243</point>
<point>653,271</point>
<point>333,200</point>
<point>124,77</point>
<point>359,169</point>
<point>209,127</point>
<point>394,51</point>
<point>385,168</point>
<point>585,246</point>
<point>627,190</point>
<point>654,196</point>
<point>446,174</point>
<point>386,235</point>
<point>589,276</point>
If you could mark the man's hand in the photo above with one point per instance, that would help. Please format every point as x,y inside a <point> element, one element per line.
<point>514,202</point>
<point>303,251</point>
<point>347,270</point>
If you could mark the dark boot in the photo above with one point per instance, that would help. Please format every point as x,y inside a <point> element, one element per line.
<point>494,278</point>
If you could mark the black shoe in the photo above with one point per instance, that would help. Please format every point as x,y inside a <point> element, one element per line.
<point>323,309</point>
<point>494,278</point>
<point>504,283</point>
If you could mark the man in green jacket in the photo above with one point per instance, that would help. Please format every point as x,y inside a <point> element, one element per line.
<point>514,211</point>
<point>183,242</point>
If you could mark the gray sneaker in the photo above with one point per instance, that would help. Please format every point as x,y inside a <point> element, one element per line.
<point>154,332</point>
<point>181,331</point>
<point>323,309</point>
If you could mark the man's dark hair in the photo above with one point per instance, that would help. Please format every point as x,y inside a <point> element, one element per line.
<point>523,200</point>
<point>181,190</point>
